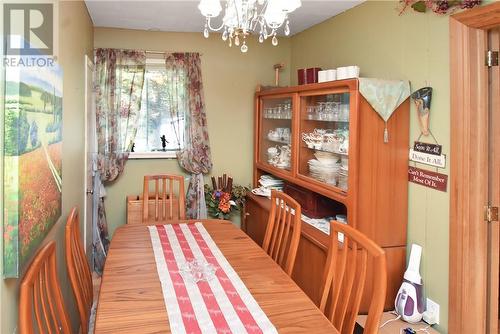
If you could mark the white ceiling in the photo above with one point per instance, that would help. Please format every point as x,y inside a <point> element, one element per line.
<point>184,16</point>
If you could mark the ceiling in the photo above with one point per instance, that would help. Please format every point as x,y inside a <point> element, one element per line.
<point>184,16</point>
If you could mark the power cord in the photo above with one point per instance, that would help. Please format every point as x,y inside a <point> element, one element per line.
<point>391,320</point>
<point>407,330</point>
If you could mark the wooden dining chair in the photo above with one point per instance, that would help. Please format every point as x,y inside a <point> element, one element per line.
<point>344,279</point>
<point>163,204</point>
<point>281,239</point>
<point>79,271</point>
<point>41,305</point>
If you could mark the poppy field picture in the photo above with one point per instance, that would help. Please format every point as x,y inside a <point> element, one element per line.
<point>32,161</point>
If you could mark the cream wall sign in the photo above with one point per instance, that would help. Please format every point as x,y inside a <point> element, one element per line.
<point>428,159</point>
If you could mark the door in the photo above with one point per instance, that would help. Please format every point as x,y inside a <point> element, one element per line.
<point>91,193</point>
<point>474,172</point>
<point>494,185</point>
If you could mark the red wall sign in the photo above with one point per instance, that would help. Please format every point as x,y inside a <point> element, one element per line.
<point>427,178</point>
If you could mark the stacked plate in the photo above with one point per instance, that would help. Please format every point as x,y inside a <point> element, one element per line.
<point>267,183</point>
<point>325,171</point>
<point>271,182</point>
<point>326,158</point>
<point>342,177</point>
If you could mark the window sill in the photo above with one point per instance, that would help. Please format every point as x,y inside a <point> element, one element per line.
<point>153,155</point>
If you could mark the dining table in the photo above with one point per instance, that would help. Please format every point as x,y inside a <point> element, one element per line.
<point>131,299</point>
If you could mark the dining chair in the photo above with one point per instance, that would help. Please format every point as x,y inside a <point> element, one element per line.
<point>344,279</point>
<point>281,239</point>
<point>79,271</point>
<point>163,204</point>
<point>41,305</point>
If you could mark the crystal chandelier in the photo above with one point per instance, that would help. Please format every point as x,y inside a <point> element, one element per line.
<point>245,17</point>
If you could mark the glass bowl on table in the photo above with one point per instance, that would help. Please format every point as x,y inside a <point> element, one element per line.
<point>197,270</point>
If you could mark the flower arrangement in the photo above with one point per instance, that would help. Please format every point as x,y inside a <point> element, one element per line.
<point>440,6</point>
<point>223,198</point>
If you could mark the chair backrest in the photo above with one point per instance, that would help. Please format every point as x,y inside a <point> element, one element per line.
<point>79,271</point>
<point>283,230</point>
<point>344,279</point>
<point>163,203</point>
<point>41,306</point>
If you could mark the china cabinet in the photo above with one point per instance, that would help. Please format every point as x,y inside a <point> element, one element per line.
<point>327,143</point>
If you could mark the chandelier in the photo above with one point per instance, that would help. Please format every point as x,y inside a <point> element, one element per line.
<point>245,17</point>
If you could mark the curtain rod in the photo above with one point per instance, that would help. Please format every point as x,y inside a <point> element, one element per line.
<point>156,52</point>
<point>163,52</point>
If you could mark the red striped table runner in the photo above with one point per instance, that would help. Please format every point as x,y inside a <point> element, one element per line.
<point>220,305</point>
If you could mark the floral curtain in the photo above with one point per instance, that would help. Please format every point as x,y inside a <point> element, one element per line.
<point>118,82</point>
<point>195,156</point>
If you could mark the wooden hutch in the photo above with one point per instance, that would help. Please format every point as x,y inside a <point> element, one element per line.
<point>373,195</point>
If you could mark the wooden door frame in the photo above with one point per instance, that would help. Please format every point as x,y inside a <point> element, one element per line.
<point>468,275</point>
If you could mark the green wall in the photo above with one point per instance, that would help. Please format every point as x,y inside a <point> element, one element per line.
<point>412,47</point>
<point>229,80</point>
<point>74,39</point>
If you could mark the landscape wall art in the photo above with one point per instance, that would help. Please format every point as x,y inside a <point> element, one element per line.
<point>32,161</point>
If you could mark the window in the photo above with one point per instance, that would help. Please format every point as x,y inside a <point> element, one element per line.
<point>160,131</point>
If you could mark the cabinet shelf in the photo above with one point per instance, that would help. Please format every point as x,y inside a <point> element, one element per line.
<point>324,120</point>
<point>278,172</point>
<point>277,118</point>
<point>321,150</point>
<point>278,141</point>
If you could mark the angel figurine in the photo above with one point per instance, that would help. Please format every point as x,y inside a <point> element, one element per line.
<point>422,99</point>
<point>164,142</point>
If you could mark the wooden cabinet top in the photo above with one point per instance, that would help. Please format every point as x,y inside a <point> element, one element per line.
<point>351,84</point>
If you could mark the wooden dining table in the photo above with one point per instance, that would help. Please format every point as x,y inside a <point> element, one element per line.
<point>131,298</point>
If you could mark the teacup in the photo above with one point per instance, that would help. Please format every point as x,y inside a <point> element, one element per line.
<point>306,137</point>
<point>286,149</point>
<point>272,150</point>
<point>329,137</point>
<point>316,137</point>
<point>273,135</point>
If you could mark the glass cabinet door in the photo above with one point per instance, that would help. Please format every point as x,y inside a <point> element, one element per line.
<point>324,139</point>
<point>275,137</point>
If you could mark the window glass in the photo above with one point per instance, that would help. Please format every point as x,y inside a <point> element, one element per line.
<point>163,108</point>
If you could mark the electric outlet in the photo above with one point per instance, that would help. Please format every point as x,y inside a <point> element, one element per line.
<point>433,308</point>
